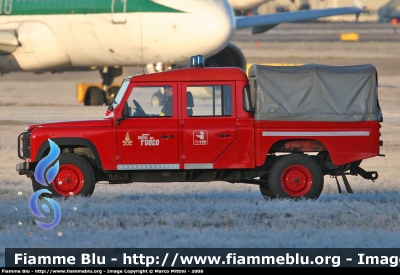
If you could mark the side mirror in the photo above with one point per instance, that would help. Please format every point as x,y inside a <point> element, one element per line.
<point>247,99</point>
<point>125,113</point>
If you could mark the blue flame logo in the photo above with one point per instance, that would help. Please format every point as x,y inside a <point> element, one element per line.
<point>51,173</point>
<point>45,174</point>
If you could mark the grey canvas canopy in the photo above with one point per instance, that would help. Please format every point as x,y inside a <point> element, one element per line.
<point>314,92</point>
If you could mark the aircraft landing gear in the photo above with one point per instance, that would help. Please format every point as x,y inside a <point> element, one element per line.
<point>108,74</point>
<point>96,96</point>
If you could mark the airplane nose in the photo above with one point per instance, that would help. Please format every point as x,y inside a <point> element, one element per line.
<point>187,28</point>
<point>214,26</point>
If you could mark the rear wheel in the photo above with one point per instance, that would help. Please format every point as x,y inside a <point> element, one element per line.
<point>267,194</point>
<point>75,177</point>
<point>94,96</point>
<point>264,188</point>
<point>296,176</point>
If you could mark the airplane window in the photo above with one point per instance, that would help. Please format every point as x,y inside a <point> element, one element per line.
<point>211,100</point>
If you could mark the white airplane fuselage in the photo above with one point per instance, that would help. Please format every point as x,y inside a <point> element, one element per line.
<point>246,4</point>
<point>71,41</point>
<point>66,35</point>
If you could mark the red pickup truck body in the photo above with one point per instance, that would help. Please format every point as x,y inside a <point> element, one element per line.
<point>224,126</point>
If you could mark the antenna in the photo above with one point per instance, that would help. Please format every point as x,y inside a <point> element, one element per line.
<point>141,40</point>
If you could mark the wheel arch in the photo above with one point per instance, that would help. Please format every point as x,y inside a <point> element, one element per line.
<point>65,143</point>
<point>303,146</point>
<point>298,145</point>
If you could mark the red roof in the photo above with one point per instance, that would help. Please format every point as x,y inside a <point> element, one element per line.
<point>194,74</point>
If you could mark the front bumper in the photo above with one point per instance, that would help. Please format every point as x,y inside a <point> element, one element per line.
<point>23,169</point>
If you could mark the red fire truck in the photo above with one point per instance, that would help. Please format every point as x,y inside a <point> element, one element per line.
<point>282,128</point>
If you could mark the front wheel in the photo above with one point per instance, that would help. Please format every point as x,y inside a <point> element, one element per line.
<point>75,177</point>
<point>296,176</point>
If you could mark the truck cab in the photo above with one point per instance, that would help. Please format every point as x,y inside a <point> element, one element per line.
<point>207,128</point>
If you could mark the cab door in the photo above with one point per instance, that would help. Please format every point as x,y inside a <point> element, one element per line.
<point>209,126</point>
<point>146,140</point>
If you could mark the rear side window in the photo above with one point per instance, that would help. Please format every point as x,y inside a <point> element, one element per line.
<point>215,100</point>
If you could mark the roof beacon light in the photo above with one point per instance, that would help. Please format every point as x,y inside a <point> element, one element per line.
<point>197,61</point>
<point>193,62</point>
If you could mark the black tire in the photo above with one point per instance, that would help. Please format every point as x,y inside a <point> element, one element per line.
<point>296,176</point>
<point>94,96</point>
<point>264,188</point>
<point>75,173</point>
<point>265,192</point>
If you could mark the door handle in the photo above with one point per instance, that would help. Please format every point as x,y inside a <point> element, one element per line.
<point>167,136</point>
<point>224,135</point>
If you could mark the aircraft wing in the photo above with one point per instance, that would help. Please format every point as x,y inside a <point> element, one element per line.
<point>264,22</point>
<point>8,42</point>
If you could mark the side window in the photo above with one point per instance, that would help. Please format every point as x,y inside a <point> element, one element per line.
<point>120,94</point>
<point>151,101</point>
<point>213,100</point>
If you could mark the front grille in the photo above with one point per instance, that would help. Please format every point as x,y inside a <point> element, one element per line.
<point>24,148</point>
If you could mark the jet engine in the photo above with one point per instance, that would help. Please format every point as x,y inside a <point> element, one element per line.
<point>230,56</point>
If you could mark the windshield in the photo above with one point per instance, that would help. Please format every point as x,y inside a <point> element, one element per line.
<point>120,94</point>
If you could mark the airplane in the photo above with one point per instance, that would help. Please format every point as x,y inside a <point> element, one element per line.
<point>242,7</point>
<point>389,11</point>
<point>106,35</point>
